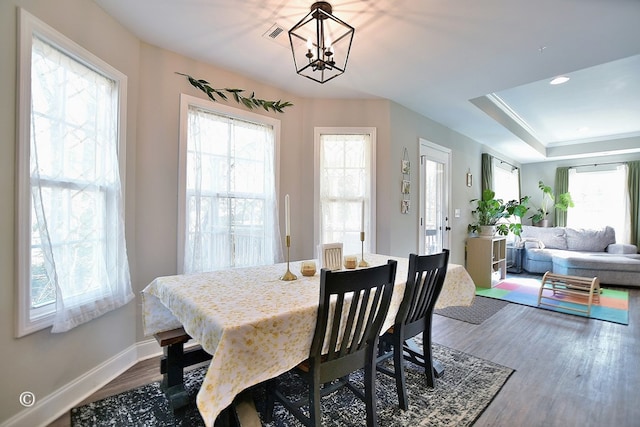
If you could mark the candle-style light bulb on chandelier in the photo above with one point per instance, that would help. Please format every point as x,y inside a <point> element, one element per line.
<point>320,43</point>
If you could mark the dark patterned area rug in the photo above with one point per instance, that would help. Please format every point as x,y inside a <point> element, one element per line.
<point>481,309</point>
<point>467,387</point>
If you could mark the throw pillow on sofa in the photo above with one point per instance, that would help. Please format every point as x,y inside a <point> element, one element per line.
<point>592,240</point>
<point>531,243</point>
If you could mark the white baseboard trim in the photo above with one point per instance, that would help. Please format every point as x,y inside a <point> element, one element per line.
<point>148,349</point>
<point>51,407</point>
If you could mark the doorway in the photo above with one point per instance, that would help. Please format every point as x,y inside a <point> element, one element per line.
<point>434,194</point>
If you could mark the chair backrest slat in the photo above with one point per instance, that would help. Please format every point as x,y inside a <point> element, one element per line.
<point>424,295</point>
<point>343,346</point>
<point>375,300</point>
<point>333,332</point>
<point>359,332</point>
<point>348,325</point>
<point>424,283</point>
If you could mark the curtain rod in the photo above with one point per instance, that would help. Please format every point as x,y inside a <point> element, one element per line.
<point>500,160</point>
<point>597,164</point>
<point>504,161</point>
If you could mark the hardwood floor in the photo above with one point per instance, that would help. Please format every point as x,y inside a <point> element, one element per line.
<point>570,371</point>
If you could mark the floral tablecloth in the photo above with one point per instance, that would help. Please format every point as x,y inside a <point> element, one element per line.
<point>255,325</point>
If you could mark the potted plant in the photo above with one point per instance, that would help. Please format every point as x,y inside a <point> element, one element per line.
<point>564,202</point>
<point>515,209</point>
<point>491,213</point>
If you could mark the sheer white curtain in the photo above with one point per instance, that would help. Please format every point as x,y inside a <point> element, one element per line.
<point>231,212</point>
<point>78,243</point>
<point>601,197</point>
<point>506,181</point>
<point>345,182</point>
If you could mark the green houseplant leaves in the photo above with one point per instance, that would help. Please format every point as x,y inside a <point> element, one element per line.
<point>563,203</point>
<point>490,211</point>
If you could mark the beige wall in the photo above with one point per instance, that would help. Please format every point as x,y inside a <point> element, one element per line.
<point>342,113</point>
<point>157,156</point>
<point>43,362</point>
<point>407,128</point>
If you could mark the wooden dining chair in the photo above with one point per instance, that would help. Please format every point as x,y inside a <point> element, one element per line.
<point>353,305</point>
<point>332,256</point>
<point>425,279</point>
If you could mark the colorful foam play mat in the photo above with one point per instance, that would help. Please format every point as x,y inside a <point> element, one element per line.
<point>612,307</point>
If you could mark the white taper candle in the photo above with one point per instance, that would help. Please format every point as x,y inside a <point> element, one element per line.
<point>287,223</point>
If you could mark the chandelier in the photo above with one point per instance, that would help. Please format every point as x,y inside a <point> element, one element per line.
<point>320,43</point>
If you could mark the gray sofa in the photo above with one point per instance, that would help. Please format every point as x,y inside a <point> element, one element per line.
<point>580,252</point>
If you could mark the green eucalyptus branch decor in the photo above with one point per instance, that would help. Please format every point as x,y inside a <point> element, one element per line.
<point>250,102</point>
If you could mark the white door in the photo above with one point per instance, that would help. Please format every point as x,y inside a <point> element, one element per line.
<point>435,185</point>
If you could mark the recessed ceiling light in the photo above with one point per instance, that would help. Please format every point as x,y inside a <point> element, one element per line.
<point>559,80</point>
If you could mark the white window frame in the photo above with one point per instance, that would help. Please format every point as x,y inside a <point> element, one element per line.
<point>504,166</point>
<point>28,320</point>
<point>370,231</point>
<point>621,212</point>
<point>216,108</point>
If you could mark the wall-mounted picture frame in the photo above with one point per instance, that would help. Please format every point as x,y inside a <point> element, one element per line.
<point>406,167</point>
<point>406,186</point>
<point>404,207</point>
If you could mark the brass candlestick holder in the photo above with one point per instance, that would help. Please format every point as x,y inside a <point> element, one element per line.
<point>362,263</point>
<point>288,276</point>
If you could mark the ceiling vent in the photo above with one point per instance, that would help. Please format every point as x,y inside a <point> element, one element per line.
<point>277,34</point>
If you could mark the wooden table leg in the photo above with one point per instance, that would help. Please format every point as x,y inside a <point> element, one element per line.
<point>241,413</point>
<point>438,367</point>
<point>173,381</point>
<point>173,363</point>
<point>246,411</point>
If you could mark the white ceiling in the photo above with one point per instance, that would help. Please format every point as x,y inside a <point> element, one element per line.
<point>480,67</point>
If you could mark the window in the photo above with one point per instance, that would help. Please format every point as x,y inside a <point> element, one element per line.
<point>600,196</point>
<point>506,181</point>
<point>228,188</point>
<point>345,179</point>
<point>71,246</point>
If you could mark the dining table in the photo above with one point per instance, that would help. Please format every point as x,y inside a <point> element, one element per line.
<point>255,325</point>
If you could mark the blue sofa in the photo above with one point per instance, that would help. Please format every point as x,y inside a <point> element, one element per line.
<point>580,252</point>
